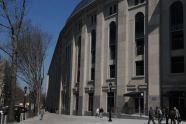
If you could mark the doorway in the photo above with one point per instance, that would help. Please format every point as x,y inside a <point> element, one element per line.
<point>110,101</point>
<point>177,99</point>
<point>139,104</point>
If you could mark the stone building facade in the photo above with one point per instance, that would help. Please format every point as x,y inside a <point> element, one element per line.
<point>138,46</point>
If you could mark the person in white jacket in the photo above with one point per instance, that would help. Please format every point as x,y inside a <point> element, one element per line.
<point>42,111</point>
<point>97,112</point>
<point>178,118</point>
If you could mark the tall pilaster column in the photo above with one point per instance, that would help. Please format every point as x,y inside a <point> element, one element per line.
<point>73,73</point>
<point>60,98</point>
<point>99,64</point>
<point>83,68</point>
<point>153,53</point>
<point>121,54</point>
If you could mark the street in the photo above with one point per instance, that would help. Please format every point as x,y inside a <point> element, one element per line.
<point>50,118</point>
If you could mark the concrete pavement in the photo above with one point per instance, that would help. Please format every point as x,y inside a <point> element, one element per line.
<point>50,118</point>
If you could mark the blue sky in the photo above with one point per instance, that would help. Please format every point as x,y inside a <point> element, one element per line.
<point>50,16</point>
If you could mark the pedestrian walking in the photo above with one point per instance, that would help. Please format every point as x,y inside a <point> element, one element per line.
<point>178,118</point>
<point>173,116</point>
<point>159,115</point>
<point>167,114</point>
<point>42,111</point>
<point>163,113</point>
<point>101,112</point>
<point>17,114</point>
<point>97,112</point>
<point>151,116</point>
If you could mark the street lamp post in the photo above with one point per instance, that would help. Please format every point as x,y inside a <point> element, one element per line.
<point>25,89</point>
<point>110,110</point>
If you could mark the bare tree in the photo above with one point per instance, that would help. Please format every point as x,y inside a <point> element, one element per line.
<point>12,13</point>
<point>32,47</point>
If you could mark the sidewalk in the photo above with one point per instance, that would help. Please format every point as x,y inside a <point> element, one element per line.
<point>50,118</point>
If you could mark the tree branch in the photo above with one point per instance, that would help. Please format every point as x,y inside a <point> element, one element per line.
<point>4,26</point>
<point>1,48</point>
<point>7,15</point>
<point>23,79</point>
<point>22,15</point>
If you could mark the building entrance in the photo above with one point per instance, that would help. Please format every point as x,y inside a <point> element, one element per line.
<point>139,104</point>
<point>138,101</point>
<point>77,101</point>
<point>177,99</point>
<point>110,101</point>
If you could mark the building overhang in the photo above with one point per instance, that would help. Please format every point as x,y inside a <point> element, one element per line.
<point>134,94</point>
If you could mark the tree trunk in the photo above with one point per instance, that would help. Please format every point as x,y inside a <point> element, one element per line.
<point>13,81</point>
<point>38,101</point>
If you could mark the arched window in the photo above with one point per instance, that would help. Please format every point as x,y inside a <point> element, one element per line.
<point>112,32</point>
<point>176,12</point>
<point>177,36</point>
<point>176,26</point>
<point>93,45</point>
<point>112,39</point>
<point>139,39</point>
<point>112,47</point>
<point>139,24</point>
<point>93,39</point>
<point>79,58</point>
<point>139,33</point>
<point>93,53</point>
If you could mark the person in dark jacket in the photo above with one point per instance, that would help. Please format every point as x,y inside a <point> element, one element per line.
<point>17,114</point>
<point>167,115</point>
<point>151,116</point>
<point>101,112</point>
<point>173,116</point>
